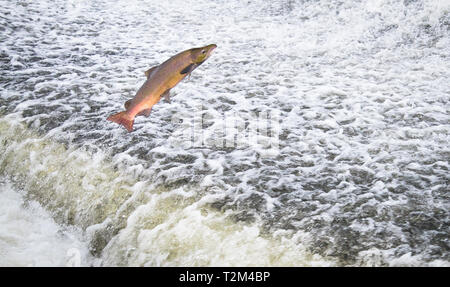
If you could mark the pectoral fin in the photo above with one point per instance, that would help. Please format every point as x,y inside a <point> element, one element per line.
<point>166,95</point>
<point>150,71</point>
<point>188,69</point>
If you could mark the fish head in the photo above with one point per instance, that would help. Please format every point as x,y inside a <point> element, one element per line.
<point>199,55</point>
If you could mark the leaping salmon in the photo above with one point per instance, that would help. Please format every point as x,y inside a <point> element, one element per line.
<point>160,79</point>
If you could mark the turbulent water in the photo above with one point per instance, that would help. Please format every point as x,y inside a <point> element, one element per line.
<point>356,173</point>
<point>30,237</point>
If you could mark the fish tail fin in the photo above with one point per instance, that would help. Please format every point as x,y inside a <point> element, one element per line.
<point>123,119</point>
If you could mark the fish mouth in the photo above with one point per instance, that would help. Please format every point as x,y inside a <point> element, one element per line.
<point>211,48</point>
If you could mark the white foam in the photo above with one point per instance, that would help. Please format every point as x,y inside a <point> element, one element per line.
<point>158,234</point>
<point>29,236</point>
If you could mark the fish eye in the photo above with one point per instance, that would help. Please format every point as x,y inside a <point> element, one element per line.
<point>203,51</point>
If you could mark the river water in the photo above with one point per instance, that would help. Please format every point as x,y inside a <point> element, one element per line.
<point>354,170</point>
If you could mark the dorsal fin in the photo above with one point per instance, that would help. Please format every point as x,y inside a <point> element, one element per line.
<point>150,71</point>
<point>127,104</point>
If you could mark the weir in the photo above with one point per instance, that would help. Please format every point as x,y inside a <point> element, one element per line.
<point>127,222</point>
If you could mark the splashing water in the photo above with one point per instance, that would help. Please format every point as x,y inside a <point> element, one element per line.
<point>359,175</point>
